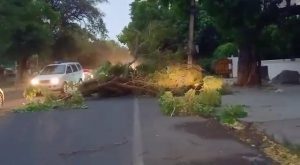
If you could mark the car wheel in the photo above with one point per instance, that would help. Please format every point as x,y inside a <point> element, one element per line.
<point>1,99</point>
<point>65,88</point>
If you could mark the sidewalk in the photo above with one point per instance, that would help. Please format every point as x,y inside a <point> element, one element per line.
<point>275,112</point>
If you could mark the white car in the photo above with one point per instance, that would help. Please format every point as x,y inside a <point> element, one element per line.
<point>57,76</point>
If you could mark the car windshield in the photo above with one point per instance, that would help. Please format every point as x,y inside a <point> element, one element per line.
<point>53,69</point>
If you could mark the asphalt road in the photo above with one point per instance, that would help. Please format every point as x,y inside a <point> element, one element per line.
<point>117,131</point>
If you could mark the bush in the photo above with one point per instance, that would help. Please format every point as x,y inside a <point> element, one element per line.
<point>212,83</point>
<point>225,50</point>
<point>206,63</point>
<point>204,110</point>
<point>167,103</point>
<point>103,71</point>
<point>177,76</point>
<point>210,98</point>
<point>146,68</point>
<point>31,92</point>
<point>52,101</point>
<point>76,101</point>
<point>185,106</point>
<point>231,113</point>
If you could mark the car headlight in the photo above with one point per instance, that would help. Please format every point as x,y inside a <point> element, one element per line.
<point>34,82</point>
<point>54,81</point>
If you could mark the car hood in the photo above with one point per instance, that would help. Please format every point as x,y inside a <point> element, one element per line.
<point>48,77</point>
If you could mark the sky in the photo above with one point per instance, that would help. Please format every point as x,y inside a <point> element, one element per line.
<point>116,16</point>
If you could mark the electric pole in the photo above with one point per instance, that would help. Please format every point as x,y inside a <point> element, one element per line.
<point>191,32</point>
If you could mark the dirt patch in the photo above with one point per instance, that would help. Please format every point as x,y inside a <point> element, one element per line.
<point>209,129</point>
<point>233,160</point>
<point>258,139</point>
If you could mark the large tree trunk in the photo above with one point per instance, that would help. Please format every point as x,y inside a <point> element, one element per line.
<point>22,69</point>
<point>248,67</point>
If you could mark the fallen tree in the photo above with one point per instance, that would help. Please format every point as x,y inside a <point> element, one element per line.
<point>117,86</point>
<point>118,80</point>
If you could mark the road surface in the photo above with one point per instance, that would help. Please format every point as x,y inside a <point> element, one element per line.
<point>118,131</point>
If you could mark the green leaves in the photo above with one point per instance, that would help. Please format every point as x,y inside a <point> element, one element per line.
<point>27,26</point>
<point>230,114</point>
<point>225,50</point>
<point>190,104</point>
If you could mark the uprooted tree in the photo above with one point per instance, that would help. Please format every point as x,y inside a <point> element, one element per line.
<point>119,80</point>
<point>246,22</point>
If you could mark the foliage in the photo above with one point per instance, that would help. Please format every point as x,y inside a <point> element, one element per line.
<point>231,113</point>
<point>188,104</point>
<point>102,71</point>
<point>160,26</point>
<point>51,102</point>
<point>25,28</point>
<point>206,63</point>
<point>75,101</point>
<point>210,98</point>
<point>177,76</point>
<point>146,68</point>
<point>31,92</point>
<point>225,50</point>
<point>167,103</point>
<point>109,70</point>
<point>204,110</point>
<point>81,12</point>
<point>212,83</point>
<point>34,106</point>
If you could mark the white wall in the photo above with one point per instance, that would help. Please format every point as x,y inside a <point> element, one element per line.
<point>274,66</point>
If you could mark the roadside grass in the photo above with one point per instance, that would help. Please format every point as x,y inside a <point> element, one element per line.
<point>50,100</point>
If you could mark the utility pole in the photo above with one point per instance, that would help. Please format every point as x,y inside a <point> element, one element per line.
<point>191,32</point>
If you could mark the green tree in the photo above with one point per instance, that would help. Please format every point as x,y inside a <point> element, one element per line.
<point>81,12</point>
<point>160,27</point>
<point>81,23</point>
<point>246,21</point>
<point>26,29</point>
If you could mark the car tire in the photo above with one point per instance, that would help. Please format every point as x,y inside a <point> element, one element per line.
<point>1,99</point>
<point>80,81</point>
<point>64,89</point>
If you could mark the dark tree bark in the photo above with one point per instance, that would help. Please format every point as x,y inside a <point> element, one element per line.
<point>248,66</point>
<point>22,69</point>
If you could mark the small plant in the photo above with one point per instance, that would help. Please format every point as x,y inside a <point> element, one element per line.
<point>167,103</point>
<point>51,101</point>
<point>75,101</point>
<point>185,106</point>
<point>30,93</point>
<point>212,83</point>
<point>210,98</point>
<point>34,106</point>
<point>204,110</point>
<point>231,113</point>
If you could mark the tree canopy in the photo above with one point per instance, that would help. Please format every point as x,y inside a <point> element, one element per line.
<point>256,29</point>
<point>53,27</point>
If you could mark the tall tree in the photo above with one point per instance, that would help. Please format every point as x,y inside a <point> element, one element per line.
<point>246,20</point>
<point>26,29</point>
<point>81,21</point>
<point>84,13</point>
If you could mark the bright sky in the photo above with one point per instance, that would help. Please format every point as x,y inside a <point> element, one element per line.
<point>116,16</point>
